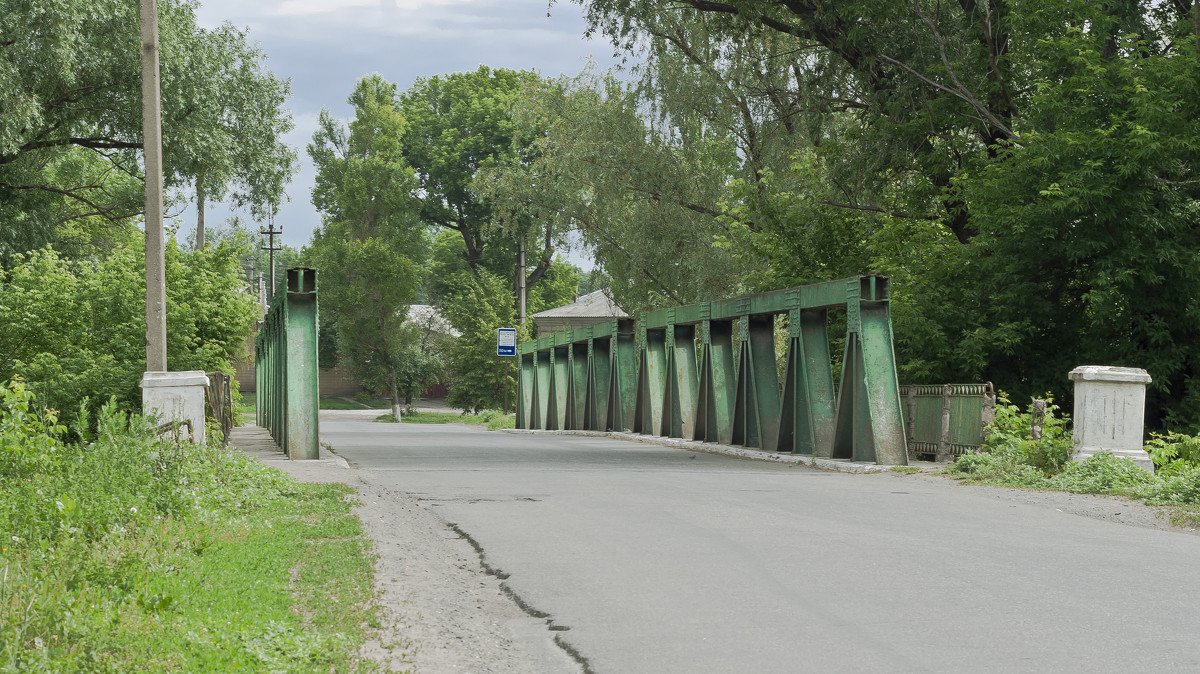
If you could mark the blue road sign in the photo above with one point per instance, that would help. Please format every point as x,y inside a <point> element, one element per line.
<point>506,341</point>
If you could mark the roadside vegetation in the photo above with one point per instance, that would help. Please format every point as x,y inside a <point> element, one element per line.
<point>1012,457</point>
<point>359,402</point>
<point>493,419</point>
<point>126,551</point>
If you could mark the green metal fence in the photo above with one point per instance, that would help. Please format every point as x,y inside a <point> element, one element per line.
<point>947,420</point>
<point>648,375</point>
<point>285,363</point>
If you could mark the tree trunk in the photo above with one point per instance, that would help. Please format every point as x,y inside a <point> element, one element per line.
<point>1196,22</point>
<point>394,392</point>
<point>199,217</point>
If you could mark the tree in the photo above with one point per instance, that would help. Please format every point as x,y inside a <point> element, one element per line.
<point>459,125</point>
<point>69,136</point>
<point>370,241</point>
<point>75,329</point>
<point>645,198</point>
<point>479,377</point>
<point>1026,171</point>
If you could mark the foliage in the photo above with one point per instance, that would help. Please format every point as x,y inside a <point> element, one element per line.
<point>1011,436</point>
<point>1181,487</point>
<point>642,197</point>
<point>479,377</point>
<point>371,243</point>
<point>1102,473</point>
<point>75,330</point>
<point>1010,457</point>
<point>109,550</point>
<point>71,129</point>
<point>1025,171</point>
<point>493,419</point>
<point>1173,452</point>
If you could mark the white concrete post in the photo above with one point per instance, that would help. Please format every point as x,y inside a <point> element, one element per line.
<point>1110,405</point>
<point>176,396</point>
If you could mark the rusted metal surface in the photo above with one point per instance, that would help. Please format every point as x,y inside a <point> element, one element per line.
<point>689,377</point>
<point>220,402</point>
<point>946,420</point>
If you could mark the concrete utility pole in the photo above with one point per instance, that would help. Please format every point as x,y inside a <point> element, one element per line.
<point>521,294</point>
<point>156,288</point>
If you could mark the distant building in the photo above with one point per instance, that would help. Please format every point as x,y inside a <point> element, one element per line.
<point>593,308</point>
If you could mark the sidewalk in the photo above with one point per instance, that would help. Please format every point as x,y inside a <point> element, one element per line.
<point>257,442</point>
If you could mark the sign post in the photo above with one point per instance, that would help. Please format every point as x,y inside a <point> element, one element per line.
<point>506,345</point>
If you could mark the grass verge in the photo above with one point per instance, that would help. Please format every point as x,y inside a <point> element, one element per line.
<point>132,553</point>
<point>493,419</point>
<point>336,403</point>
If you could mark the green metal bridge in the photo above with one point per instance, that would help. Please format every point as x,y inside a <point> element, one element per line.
<point>285,364</point>
<point>709,372</point>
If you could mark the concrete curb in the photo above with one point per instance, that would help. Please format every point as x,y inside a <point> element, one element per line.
<point>838,465</point>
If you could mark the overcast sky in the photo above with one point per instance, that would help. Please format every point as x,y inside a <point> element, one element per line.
<point>325,46</point>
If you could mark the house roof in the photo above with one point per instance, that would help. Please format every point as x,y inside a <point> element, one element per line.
<point>593,305</point>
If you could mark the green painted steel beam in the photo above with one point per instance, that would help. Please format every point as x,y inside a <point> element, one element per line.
<point>622,390</point>
<point>662,387</point>
<point>286,366</point>
<point>684,380</point>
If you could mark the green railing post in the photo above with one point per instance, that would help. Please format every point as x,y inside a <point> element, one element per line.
<point>286,366</point>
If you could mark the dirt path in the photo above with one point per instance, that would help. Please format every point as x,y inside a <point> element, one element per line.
<point>442,610</point>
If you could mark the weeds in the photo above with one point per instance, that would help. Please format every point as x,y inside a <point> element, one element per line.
<point>1011,457</point>
<point>129,552</point>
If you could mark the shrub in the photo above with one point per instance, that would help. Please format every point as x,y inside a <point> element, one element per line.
<point>1103,473</point>
<point>1178,488</point>
<point>1010,453</point>
<point>1174,453</point>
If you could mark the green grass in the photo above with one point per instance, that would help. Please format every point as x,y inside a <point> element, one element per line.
<point>493,419</point>
<point>286,588</point>
<point>133,553</point>
<point>337,403</point>
<point>907,470</point>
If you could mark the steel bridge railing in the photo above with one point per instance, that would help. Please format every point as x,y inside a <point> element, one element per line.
<point>285,365</point>
<point>709,372</point>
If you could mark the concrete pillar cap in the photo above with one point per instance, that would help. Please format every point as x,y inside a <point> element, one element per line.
<point>185,378</point>
<point>1132,375</point>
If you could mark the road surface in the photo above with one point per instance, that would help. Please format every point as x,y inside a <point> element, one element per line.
<point>642,558</point>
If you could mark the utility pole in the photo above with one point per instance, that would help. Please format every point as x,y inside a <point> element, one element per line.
<point>521,276</point>
<point>271,233</point>
<point>156,288</point>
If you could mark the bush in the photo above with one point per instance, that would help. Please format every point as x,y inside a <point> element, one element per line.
<point>1009,451</point>
<point>1178,488</point>
<point>1103,473</point>
<point>1174,453</point>
<point>76,329</point>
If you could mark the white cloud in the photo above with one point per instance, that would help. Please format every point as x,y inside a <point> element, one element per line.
<point>310,7</point>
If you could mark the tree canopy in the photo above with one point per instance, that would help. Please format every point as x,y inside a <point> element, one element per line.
<point>70,118</point>
<point>1025,171</point>
<point>371,244</point>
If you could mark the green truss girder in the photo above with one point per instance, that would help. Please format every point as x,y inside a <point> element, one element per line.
<point>285,366</point>
<point>710,372</point>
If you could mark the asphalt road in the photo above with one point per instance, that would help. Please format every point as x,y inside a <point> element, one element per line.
<point>654,559</point>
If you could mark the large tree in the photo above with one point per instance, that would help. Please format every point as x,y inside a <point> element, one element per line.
<point>371,242</point>
<point>70,121</point>
<point>458,125</point>
<point>1027,171</point>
